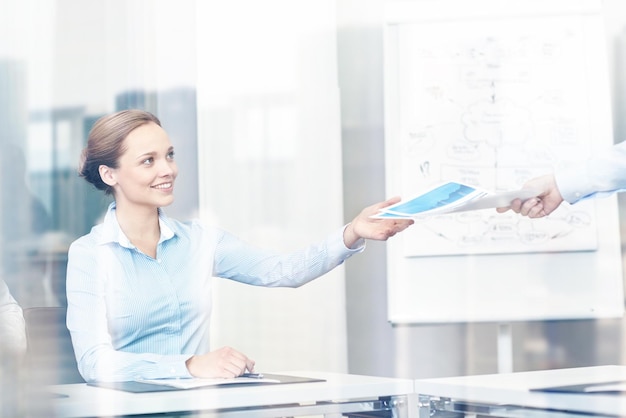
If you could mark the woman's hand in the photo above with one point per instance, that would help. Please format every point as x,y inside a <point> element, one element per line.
<point>363,226</point>
<point>225,362</point>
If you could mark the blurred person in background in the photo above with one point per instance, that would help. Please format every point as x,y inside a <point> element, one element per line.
<point>24,221</point>
<point>12,353</point>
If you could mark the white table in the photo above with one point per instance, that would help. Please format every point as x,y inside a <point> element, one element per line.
<point>509,395</point>
<point>339,393</point>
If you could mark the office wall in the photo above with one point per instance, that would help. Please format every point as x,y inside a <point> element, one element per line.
<point>374,345</point>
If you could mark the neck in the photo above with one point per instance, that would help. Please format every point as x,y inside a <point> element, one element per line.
<point>138,222</point>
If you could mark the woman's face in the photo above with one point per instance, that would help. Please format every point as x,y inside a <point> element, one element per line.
<point>146,170</point>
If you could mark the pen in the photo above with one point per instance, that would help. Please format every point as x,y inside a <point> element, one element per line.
<point>253,375</point>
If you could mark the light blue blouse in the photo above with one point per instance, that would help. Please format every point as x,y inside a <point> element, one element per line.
<point>132,316</point>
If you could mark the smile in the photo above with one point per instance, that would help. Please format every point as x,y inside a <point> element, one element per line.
<point>162,186</point>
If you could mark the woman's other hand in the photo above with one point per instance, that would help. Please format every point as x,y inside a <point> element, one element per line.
<point>225,362</point>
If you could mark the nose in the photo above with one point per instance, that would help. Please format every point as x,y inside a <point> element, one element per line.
<point>167,168</point>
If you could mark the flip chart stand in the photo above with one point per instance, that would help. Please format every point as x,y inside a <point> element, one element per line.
<point>505,348</point>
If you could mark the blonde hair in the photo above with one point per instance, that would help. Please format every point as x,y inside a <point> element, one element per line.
<point>105,144</point>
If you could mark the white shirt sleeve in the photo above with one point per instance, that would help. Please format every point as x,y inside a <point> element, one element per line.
<point>598,176</point>
<point>12,328</point>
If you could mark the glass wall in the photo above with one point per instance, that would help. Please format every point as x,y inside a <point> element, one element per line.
<point>248,94</point>
<point>276,113</point>
<point>270,169</point>
<point>72,62</point>
<point>63,64</point>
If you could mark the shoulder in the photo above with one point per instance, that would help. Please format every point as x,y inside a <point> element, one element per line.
<point>88,241</point>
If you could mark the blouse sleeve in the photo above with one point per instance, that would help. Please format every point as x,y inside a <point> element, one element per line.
<point>240,261</point>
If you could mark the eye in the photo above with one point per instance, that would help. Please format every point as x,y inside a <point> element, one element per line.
<point>170,155</point>
<point>148,161</point>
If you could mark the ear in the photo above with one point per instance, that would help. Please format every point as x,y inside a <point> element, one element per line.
<point>107,174</point>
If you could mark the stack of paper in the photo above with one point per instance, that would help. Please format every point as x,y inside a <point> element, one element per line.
<point>451,197</point>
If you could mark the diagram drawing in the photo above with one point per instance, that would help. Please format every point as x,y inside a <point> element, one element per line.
<point>492,104</point>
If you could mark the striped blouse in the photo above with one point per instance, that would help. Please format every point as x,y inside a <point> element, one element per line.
<point>132,316</point>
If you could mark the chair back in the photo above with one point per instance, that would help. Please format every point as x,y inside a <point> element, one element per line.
<point>50,354</point>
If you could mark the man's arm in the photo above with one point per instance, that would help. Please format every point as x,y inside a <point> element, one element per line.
<point>598,176</point>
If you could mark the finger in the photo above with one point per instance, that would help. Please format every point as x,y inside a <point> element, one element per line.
<point>515,206</point>
<point>230,371</point>
<point>402,225</point>
<point>237,355</point>
<point>238,365</point>
<point>537,211</point>
<point>529,204</point>
<point>234,368</point>
<point>233,362</point>
<point>250,365</point>
<point>389,202</point>
<point>393,227</point>
<point>539,214</point>
<point>522,206</point>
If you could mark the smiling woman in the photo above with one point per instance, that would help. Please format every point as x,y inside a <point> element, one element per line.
<point>139,284</point>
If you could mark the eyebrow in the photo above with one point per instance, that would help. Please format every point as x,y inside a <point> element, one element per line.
<point>153,153</point>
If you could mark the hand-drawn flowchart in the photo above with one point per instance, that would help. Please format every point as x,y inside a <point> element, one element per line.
<point>493,103</point>
<point>491,94</point>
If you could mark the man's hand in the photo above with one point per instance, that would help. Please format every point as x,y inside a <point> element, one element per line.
<point>537,207</point>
